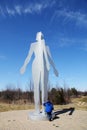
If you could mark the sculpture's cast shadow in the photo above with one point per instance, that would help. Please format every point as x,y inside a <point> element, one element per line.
<point>56,113</point>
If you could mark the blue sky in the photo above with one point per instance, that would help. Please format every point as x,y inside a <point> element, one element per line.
<point>64,25</point>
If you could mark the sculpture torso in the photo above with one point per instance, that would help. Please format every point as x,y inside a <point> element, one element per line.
<point>39,52</point>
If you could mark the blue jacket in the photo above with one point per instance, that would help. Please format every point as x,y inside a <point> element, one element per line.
<point>48,106</point>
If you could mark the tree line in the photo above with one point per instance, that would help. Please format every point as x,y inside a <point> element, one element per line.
<point>57,95</point>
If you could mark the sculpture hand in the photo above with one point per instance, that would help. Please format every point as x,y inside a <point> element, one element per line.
<point>22,70</point>
<point>56,72</point>
<point>48,67</point>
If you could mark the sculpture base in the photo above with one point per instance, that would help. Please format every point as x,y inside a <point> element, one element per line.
<point>37,116</point>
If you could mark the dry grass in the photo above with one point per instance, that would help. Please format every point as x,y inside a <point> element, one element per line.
<point>9,107</point>
<point>77,103</point>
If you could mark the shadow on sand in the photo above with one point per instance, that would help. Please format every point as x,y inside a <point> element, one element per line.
<point>70,110</point>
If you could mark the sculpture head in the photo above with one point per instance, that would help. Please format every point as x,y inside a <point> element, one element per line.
<point>39,36</point>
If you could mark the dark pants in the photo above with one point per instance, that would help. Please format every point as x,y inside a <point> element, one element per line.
<point>49,115</point>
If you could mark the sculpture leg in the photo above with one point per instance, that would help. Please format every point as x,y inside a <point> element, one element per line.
<point>46,85</point>
<point>44,81</point>
<point>36,80</point>
<point>37,98</point>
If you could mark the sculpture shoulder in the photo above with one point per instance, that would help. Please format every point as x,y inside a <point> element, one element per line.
<point>33,45</point>
<point>43,41</point>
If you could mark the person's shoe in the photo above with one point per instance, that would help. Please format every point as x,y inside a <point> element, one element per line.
<point>51,119</point>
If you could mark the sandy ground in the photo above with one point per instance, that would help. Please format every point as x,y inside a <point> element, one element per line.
<point>18,120</point>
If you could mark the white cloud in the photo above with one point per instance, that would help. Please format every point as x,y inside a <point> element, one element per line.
<point>68,42</point>
<point>37,8</point>
<point>28,9</point>
<point>2,11</point>
<point>77,17</point>
<point>2,57</point>
<point>18,9</point>
<point>65,42</point>
<point>10,12</point>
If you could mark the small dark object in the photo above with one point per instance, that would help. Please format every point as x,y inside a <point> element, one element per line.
<point>9,120</point>
<point>57,126</point>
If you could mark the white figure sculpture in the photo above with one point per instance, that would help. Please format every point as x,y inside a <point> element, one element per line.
<point>40,69</point>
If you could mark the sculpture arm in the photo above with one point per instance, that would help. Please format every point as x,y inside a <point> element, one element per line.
<point>46,58</point>
<point>27,60</point>
<point>51,61</point>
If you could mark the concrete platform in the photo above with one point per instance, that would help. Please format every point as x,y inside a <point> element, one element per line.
<point>37,116</point>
